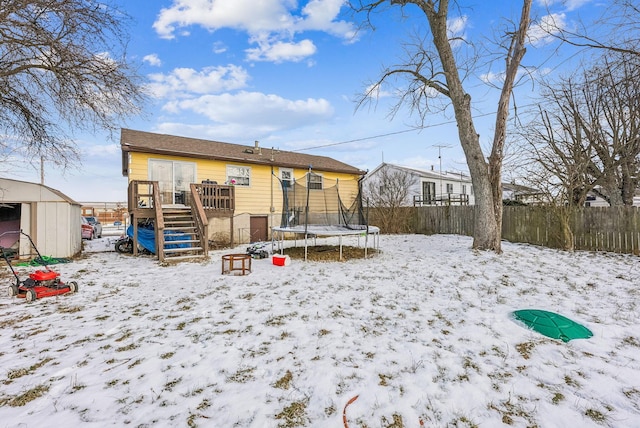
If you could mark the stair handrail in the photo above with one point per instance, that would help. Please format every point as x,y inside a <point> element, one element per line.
<point>159,226</point>
<point>202,222</point>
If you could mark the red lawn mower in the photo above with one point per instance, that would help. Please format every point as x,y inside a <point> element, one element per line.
<point>40,283</point>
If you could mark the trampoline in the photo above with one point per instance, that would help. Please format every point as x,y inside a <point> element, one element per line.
<point>314,230</point>
<point>311,210</point>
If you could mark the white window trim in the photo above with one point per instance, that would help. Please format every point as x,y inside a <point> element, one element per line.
<point>228,180</point>
<point>290,171</point>
<point>321,181</point>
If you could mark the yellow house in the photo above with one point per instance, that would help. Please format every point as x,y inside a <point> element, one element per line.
<point>245,180</point>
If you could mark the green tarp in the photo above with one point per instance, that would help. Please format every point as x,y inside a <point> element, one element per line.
<point>552,325</point>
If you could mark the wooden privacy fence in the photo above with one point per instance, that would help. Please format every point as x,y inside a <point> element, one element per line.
<point>615,229</point>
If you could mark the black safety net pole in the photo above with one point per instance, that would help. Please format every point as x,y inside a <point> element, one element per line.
<point>306,214</point>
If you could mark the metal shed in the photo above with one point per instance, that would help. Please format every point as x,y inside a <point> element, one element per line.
<point>51,218</point>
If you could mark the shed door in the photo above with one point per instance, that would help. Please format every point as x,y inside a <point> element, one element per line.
<point>258,226</point>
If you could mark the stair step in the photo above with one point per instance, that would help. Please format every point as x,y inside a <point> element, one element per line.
<point>185,258</point>
<point>180,223</point>
<point>181,241</point>
<point>181,250</point>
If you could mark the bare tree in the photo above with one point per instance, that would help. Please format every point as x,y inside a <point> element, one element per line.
<point>387,192</point>
<point>435,71</point>
<point>617,30</point>
<point>587,135</point>
<point>63,68</point>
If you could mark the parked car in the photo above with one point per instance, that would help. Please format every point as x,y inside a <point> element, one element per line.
<point>88,232</point>
<point>97,226</point>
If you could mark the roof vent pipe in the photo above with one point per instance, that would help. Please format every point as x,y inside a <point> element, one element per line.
<point>256,144</point>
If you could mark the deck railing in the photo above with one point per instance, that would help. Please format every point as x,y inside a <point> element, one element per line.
<point>216,197</point>
<point>444,199</point>
<point>202,223</point>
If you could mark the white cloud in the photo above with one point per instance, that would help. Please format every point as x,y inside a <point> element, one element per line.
<point>92,151</point>
<point>267,112</point>
<point>247,15</point>
<point>152,59</point>
<point>183,81</point>
<point>321,15</point>
<point>280,51</point>
<point>493,78</point>
<point>279,20</point>
<point>457,26</point>
<point>568,4</point>
<point>376,92</point>
<point>219,47</point>
<point>541,33</point>
<point>456,30</point>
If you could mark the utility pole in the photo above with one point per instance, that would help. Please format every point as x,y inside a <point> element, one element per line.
<point>440,147</point>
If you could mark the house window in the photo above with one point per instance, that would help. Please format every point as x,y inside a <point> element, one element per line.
<point>464,189</point>
<point>315,181</point>
<point>286,177</point>
<point>449,188</point>
<point>238,175</point>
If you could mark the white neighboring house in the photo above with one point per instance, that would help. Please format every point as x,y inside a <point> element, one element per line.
<point>428,187</point>
<point>51,218</point>
<point>517,194</point>
<point>597,198</point>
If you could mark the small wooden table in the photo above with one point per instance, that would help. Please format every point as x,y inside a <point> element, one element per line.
<point>236,264</point>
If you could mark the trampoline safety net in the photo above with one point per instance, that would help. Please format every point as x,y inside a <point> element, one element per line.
<point>312,200</point>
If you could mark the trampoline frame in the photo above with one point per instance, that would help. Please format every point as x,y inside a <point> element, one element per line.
<point>314,230</point>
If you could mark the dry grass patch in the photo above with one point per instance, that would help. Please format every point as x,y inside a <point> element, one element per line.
<point>26,397</point>
<point>294,415</point>
<point>525,349</point>
<point>18,373</point>
<point>10,322</point>
<point>285,381</point>
<point>242,375</point>
<point>329,253</point>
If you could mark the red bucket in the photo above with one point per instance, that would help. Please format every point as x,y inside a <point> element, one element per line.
<point>279,260</point>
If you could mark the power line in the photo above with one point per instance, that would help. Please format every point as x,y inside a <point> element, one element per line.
<point>441,123</point>
<point>449,122</point>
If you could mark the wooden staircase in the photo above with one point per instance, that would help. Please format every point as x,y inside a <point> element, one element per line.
<point>182,240</point>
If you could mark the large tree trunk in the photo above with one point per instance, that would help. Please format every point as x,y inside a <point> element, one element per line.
<point>486,235</point>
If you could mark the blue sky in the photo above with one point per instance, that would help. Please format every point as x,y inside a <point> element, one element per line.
<point>287,72</point>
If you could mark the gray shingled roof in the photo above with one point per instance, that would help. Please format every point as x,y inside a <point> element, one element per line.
<point>147,142</point>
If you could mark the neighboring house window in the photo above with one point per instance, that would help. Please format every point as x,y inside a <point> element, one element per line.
<point>464,189</point>
<point>449,188</point>
<point>428,192</point>
<point>286,177</point>
<point>315,181</point>
<point>238,175</point>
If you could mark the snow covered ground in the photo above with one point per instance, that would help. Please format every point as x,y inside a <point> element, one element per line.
<point>421,334</point>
